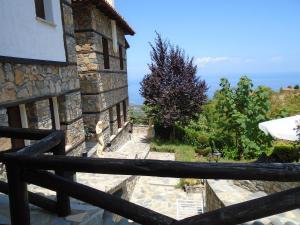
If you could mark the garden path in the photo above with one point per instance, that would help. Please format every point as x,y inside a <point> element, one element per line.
<point>161,194</point>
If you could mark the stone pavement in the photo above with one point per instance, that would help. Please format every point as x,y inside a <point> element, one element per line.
<point>161,195</point>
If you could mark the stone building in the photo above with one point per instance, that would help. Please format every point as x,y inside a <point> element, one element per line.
<point>101,55</point>
<point>63,66</point>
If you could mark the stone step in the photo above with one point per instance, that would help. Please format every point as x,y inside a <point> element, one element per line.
<point>188,208</point>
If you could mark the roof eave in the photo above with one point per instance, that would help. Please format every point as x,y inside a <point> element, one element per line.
<point>108,10</point>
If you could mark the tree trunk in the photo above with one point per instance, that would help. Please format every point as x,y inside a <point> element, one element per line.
<point>172,133</point>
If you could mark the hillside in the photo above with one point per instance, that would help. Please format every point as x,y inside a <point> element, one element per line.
<point>287,100</point>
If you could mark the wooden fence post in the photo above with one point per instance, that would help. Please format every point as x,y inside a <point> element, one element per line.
<point>18,196</point>
<point>63,200</point>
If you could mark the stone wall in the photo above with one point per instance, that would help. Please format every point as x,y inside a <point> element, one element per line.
<point>24,82</point>
<point>121,137</point>
<point>101,89</point>
<point>33,84</point>
<point>39,114</point>
<point>212,201</point>
<point>268,187</point>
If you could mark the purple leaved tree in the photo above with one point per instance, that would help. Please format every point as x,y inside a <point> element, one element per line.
<point>173,93</point>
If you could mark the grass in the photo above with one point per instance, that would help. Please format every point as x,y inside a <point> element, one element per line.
<point>185,153</point>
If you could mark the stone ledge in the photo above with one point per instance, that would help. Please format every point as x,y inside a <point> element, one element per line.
<point>221,193</point>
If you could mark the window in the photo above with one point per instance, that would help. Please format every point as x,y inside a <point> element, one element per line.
<point>121,57</point>
<point>114,36</point>
<point>43,9</point>
<point>125,111</point>
<point>105,53</point>
<point>40,9</point>
<point>119,116</point>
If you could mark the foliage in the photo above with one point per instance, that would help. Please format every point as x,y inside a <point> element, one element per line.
<point>172,92</point>
<point>296,86</point>
<point>240,110</point>
<point>284,104</point>
<point>137,116</point>
<point>195,138</point>
<point>203,151</point>
<point>285,152</point>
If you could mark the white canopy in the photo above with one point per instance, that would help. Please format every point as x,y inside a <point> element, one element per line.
<point>285,128</point>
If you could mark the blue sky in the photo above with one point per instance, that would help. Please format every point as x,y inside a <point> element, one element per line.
<point>226,37</point>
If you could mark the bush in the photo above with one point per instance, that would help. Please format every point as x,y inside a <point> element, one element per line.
<point>195,138</point>
<point>285,152</point>
<point>296,86</point>
<point>203,151</point>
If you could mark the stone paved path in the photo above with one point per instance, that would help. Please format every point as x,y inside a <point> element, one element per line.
<point>161,195</point>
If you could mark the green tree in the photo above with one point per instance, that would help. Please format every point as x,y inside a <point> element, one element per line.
<point>240,110</point>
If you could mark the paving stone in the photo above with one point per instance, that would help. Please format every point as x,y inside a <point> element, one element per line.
<point>161,195</point>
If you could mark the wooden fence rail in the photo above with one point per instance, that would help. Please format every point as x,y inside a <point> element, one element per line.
<point>29,165</point>
<point>97,198</point>
<point>289,172</point>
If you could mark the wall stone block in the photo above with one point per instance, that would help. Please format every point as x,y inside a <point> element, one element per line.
<point>39,114</point>
<point>70,107</point>
<point>92,103</point>
<point>71,51</point>
<point>74,133</point>
<point>68,19</point>
<point>90,120</point>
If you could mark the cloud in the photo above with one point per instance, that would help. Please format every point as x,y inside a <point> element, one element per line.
<point>276,59</point>
<point>203,61</point>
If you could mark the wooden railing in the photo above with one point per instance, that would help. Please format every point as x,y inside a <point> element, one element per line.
<point>30,165</point>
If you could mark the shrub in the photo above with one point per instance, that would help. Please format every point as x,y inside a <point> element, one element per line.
<point>190,137</point>
<point>285,152</point>
<point>195,138</point>
<point>296,86</point>
<point>203,151</point>
<point>203,140</point>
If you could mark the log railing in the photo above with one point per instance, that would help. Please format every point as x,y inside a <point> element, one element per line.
<point>30,165</point>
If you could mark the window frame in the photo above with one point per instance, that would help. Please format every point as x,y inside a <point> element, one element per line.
<point>121,57</point>
<point>44,11</point>
<point>105,48</point>
<point>119,116</point>
<point>125,111</point>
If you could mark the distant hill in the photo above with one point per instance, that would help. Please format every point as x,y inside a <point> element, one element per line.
<point>288,99</point>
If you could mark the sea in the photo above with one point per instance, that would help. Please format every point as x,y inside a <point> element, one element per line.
<point>272,80</point>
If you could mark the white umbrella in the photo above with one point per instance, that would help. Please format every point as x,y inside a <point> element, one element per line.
<point>285,128</point>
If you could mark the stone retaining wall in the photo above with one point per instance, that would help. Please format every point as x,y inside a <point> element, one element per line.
<point>266,186</point>
<point>122,136</point>
<point>212,201</point>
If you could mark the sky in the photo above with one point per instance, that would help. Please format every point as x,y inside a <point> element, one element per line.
<point>225,37</point>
